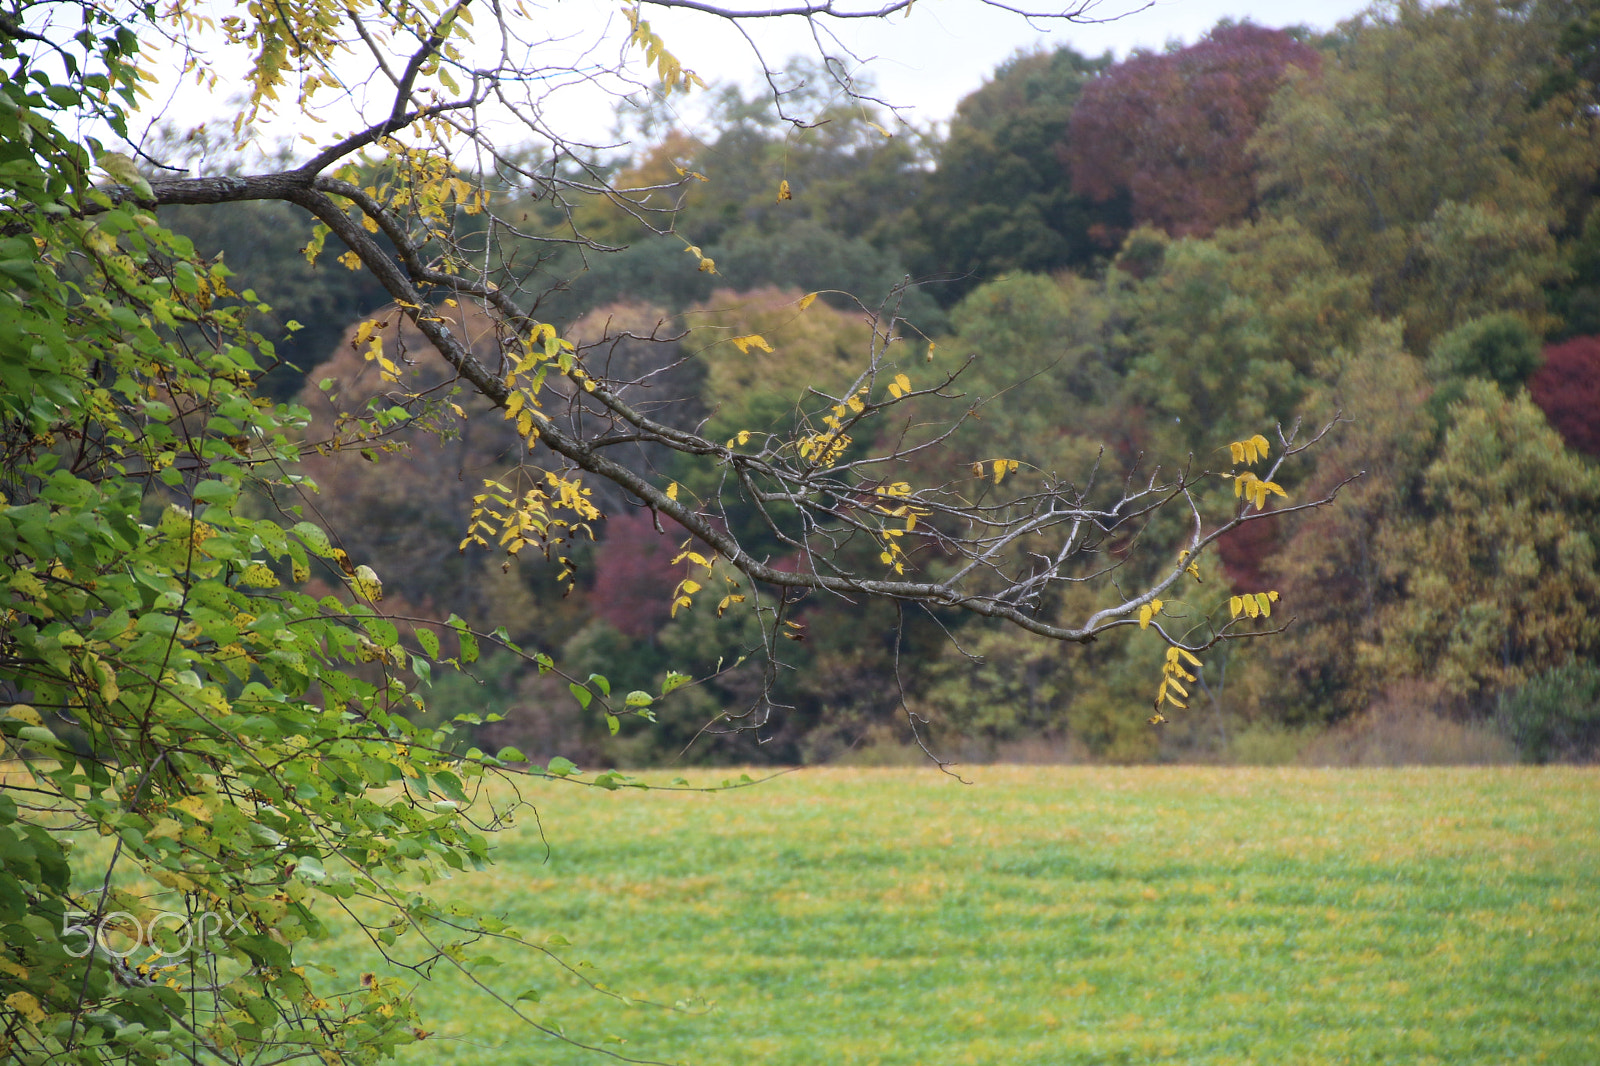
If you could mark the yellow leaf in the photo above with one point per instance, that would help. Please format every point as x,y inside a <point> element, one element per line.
<point>367,585</point>
<point>807,300</point>
<point>672,491</point>
<point>900,386</point>
<point>26,1005</point>
<point>1145,614</point>
<point>1261,444</point>
<point>783,191</point>
<point>1264,602</point>
<point>1185,653</point>
<point>1235,605</point>
<point>194,808</point>
<point>708,266</point>
<point>1273,596</point>
<point>164,828</point>
<point>1238,451</point>
<point>751,340</point>
<point>1251,607</point>
<point>1156,719</point>
<point>258,576</point>
<point>22,712</point>
<point>931,347</point>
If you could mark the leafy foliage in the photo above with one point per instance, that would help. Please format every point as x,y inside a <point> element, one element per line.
<point>1555,714</point>
<point>1171,131</point>
<point>173,691</point>
<point>1457,207</point>
<point>1567,390</point>
<point>999,198</point>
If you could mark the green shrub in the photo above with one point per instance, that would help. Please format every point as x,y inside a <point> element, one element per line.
<point>1555,717</point>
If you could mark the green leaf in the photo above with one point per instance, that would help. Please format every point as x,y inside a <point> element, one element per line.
<point>468,642</point>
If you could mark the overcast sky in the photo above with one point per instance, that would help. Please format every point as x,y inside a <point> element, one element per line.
<point>947,48</point>
<point>924,61</point>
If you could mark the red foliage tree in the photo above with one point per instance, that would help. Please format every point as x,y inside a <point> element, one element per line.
<point>1173,129</point>
<point>633,580</point>
<point>1567,390</point>
<point>1245,554</point>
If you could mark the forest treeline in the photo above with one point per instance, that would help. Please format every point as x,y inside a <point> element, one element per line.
<point>1393,223</point>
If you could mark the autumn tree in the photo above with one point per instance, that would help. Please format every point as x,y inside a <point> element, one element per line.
<point>1499,564</point>
<point>1328,657</point>
<point>1422,158</point>
<point>1171,131</point>
<point>1567,388</point>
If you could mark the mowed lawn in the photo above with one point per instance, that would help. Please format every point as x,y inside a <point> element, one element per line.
<point>1055,915</point>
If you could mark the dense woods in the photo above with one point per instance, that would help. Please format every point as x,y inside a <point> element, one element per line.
<point>1392,223</point>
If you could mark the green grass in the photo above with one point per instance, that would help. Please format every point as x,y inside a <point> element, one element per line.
<point>1057,915</point>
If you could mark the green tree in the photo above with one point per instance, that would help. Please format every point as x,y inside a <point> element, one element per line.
<point>1499,565</point>
<point>1421,157</point>
<point>1463,557</point>
<point>999,198</point>
<point>1229,333</point>
<point>1327,655</point>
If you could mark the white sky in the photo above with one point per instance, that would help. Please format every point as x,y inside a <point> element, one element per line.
<point>925,61</point>
<point>947,48</point>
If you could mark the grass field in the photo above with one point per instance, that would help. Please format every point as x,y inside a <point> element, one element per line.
<point>1058,915</point>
